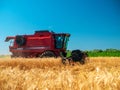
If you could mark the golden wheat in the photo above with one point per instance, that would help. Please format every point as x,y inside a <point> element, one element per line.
<point>101,73</point>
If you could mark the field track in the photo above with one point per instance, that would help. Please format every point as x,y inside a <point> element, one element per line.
<point>99,73</point>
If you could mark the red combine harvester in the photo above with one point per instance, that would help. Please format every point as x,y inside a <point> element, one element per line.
<point>40,44</point>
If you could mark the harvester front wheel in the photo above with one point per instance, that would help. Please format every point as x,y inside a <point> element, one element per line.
<point>47,54</point>
<point>78,56</point>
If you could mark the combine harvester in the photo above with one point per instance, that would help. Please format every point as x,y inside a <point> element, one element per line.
<point>44,44</point>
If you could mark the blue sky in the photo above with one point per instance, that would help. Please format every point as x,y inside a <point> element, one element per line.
<point>93,24</point>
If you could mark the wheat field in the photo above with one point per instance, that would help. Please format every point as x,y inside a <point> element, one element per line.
<point>99,73</point>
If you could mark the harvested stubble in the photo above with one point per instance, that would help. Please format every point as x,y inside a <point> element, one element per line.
<point>50,74</point>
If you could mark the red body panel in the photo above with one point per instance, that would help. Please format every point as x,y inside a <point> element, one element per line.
<point>35,44</point>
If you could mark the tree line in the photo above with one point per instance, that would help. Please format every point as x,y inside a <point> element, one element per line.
<point>100,53</point>
<point>103,53</point>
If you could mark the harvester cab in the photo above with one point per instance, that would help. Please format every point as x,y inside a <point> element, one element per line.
<point>61,40</point>
<point>41,44</point>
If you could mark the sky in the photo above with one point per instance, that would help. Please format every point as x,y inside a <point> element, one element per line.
<point>93,24</point>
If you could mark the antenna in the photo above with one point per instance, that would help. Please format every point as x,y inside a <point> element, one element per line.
<point>51,27</point>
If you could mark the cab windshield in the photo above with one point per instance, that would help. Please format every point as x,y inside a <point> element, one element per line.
<point>61,41</point>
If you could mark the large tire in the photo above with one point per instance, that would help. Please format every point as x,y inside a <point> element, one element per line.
<point>20,40</point>
<point>47,54</point>
<point>78,56</point>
